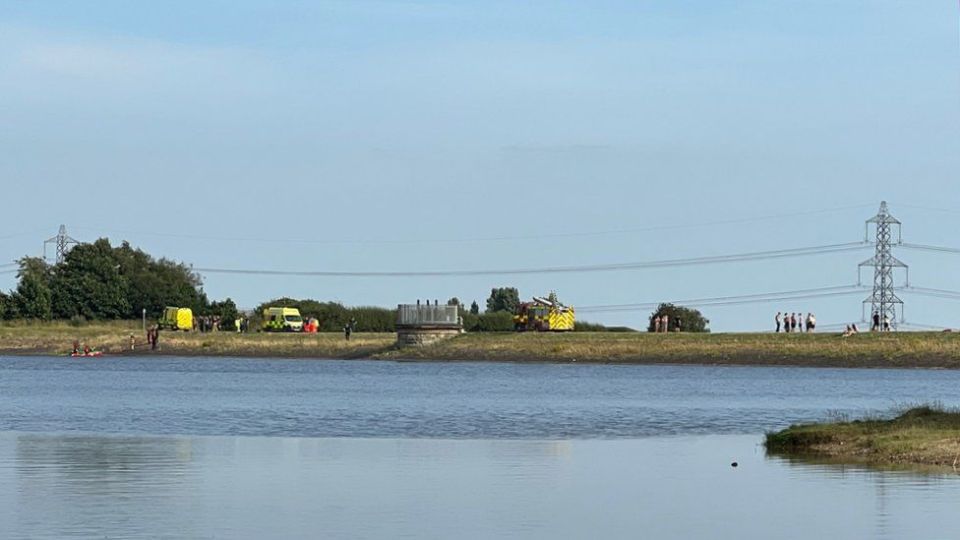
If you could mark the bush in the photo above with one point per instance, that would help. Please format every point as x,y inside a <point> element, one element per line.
<point>691,319</point>
<point>333,316</point>
<point>500,321</point>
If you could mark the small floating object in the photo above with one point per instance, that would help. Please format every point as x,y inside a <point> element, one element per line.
<point>734,464</point>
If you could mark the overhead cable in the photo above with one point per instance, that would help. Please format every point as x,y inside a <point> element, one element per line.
<point>727,298</point>
<point>572,234</point>
<point>784,296</point>
<point>694,261</point>
<point>924,247</point>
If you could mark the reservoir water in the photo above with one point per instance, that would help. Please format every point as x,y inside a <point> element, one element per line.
<point>247,448</point>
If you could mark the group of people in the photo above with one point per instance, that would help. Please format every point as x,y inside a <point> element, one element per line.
<point>880,323</point>
<point>794,322</point>
<point>86,350</point>
<point>663,324</point>
<point>851,330</point>
<point>206,323</point>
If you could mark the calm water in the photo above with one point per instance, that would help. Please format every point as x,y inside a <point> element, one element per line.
<point>141,448</point>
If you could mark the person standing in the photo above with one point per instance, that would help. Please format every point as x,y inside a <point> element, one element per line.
<point>876,322</point>
<point>886,323</point>
<point>777,319</point>
<point>656,324</point>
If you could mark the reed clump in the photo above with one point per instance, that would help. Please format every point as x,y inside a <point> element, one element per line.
<point>922,435</point>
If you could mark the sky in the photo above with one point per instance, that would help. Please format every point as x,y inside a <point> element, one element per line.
<point>422,135</point>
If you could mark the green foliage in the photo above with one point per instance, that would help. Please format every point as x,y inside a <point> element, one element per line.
<point>4,305</point>
<point>88,283</point>
<point>97,281</point>
<point>503,299</point>
<point>333,316</point>
<point>691,320</point>
<point>474,308</point>
<point>584,326</point>
<point>226,310</point>
<point>500,321</point>
<point>455,302</point>
<point>32,298</point>
<point>155,284</point>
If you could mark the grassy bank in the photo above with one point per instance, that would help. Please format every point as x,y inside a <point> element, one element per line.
<point>930,350</point>
<point>919,436</point>
<point>114,338</point>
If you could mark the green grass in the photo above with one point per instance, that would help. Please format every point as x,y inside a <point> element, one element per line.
<point>924,435</point>
<point>114,338</point>
<point>930,349</point>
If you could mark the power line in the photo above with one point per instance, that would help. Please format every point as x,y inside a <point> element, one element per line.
<point>924,247</point>
<point>18,234</point>
<point>933,294</point>
<point>694,261</point>
<point>912,288</point>
<point>926,326</point>
<point>717,299</point>
<point>580,234</point>
<point>62,242</point>
<point>731,301</point>
<point>929,208</point>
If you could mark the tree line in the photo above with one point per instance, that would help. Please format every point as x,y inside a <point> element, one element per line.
<point>98,281</point>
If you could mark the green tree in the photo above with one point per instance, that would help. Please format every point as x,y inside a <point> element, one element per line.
<point>474,308</point>
<point>89,284</point>
<point>155,284</point>
<point>333,316</point>
<point>500,321</point>
<point>691,320</point>
<point>32,298</point>
<point>503,299</point>
<point>454,302</point>
<point>226,310</point>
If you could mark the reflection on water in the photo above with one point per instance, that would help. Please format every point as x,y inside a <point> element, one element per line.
<point>56,486</point>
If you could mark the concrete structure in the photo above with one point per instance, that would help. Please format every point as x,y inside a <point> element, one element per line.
<point>422,324</point>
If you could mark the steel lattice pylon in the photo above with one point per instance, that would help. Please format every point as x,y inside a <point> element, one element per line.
<point>884,302</point>
<point>63,243</point>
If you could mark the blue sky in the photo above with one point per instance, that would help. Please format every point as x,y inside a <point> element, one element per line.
<point>394,135</point>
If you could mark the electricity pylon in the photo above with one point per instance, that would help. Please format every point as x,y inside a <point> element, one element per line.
<point>884,301</point>
<point>63,243</point>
